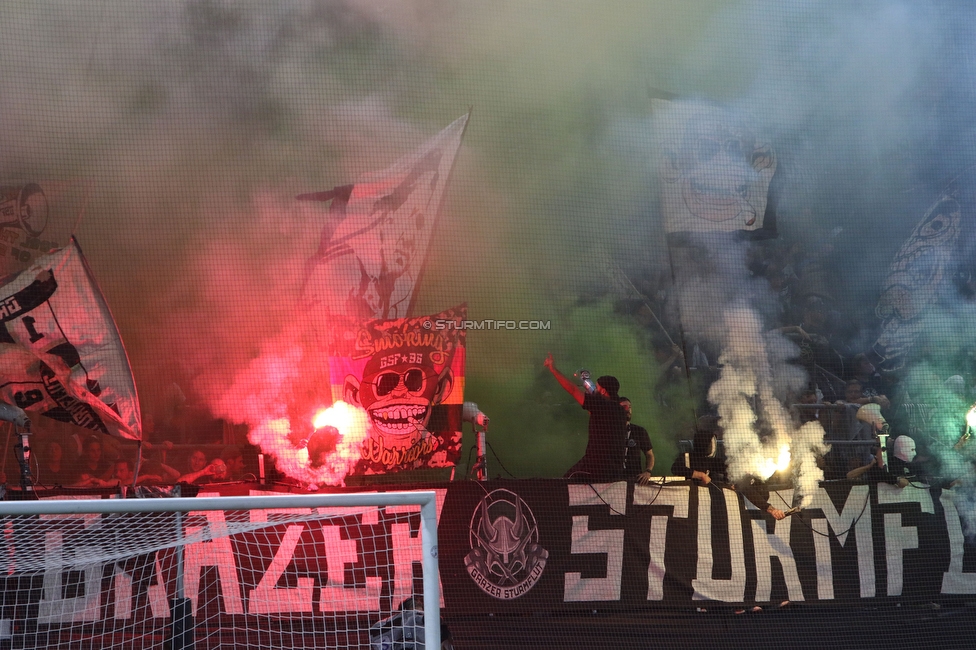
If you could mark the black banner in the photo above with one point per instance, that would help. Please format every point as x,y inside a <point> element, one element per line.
<point>523,546</point>
<point>517,547</point>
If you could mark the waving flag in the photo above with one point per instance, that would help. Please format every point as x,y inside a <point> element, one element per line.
<point>714,169</point>
<point>60,353</point>
<point>919,273</point>
<point>374,243</point>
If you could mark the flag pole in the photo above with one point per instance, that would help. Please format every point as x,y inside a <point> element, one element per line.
<point>81,211</point>
<point>681,331</point>
<point>644,300</point>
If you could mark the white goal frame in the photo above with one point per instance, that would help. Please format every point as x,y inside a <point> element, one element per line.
<point>426,499</point>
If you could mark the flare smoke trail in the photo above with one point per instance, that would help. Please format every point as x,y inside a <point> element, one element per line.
<point>272,436</point>
<point>747,398</point>
<point>278,394</point>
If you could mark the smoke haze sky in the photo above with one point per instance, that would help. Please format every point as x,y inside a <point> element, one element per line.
<point>197,122</point>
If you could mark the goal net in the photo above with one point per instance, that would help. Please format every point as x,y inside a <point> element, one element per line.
<point>351,570</point>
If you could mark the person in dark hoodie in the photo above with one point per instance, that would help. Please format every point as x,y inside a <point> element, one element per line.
<point>702,463</point>
<point>757,492</point>
<point>903,462</point>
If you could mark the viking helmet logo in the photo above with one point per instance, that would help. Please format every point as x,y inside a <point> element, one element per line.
<point>506,559</point>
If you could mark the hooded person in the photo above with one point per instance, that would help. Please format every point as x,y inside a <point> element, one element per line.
<point>871,415</point>
<point>904,461</point>
<point>702,463</point>
<point>902,456</point>
<point>867,425</point>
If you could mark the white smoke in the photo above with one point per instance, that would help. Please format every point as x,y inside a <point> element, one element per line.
<point>749,393</point>
<point>807,444</point>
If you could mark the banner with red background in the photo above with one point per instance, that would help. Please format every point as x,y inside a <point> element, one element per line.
<point>408,375</point>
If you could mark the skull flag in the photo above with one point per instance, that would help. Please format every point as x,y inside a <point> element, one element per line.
<point>713,169</point>
<point>375,237</point>
<point>61,355</point>
<point>408,375</point>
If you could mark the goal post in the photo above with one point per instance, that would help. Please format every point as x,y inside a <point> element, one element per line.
<point>270,571</point>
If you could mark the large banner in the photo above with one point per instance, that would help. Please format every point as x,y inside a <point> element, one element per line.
<point>906,294</point>
<point>61,355</point>
<point>374,241</point>
<point>521,546</point>
<point>714,169</point>
<point>408,375</point>
<point>548,546</point>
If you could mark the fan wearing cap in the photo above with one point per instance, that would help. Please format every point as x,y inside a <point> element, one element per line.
<point>606,448</point>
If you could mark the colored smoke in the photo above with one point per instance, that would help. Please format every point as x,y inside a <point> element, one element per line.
<point>280,395</point>
<point>197,122</point>
<point>274,437</point>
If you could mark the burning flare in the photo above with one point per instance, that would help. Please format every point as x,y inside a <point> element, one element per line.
<point>745,395</point>
<point>971,417</point>
<point>770,466</point>
<point>331,466</point>
<point>342,416</point>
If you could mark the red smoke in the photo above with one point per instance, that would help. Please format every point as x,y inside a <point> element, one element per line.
<point>275,438</point>
<point>236,333</point>
<point>282,395</point>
